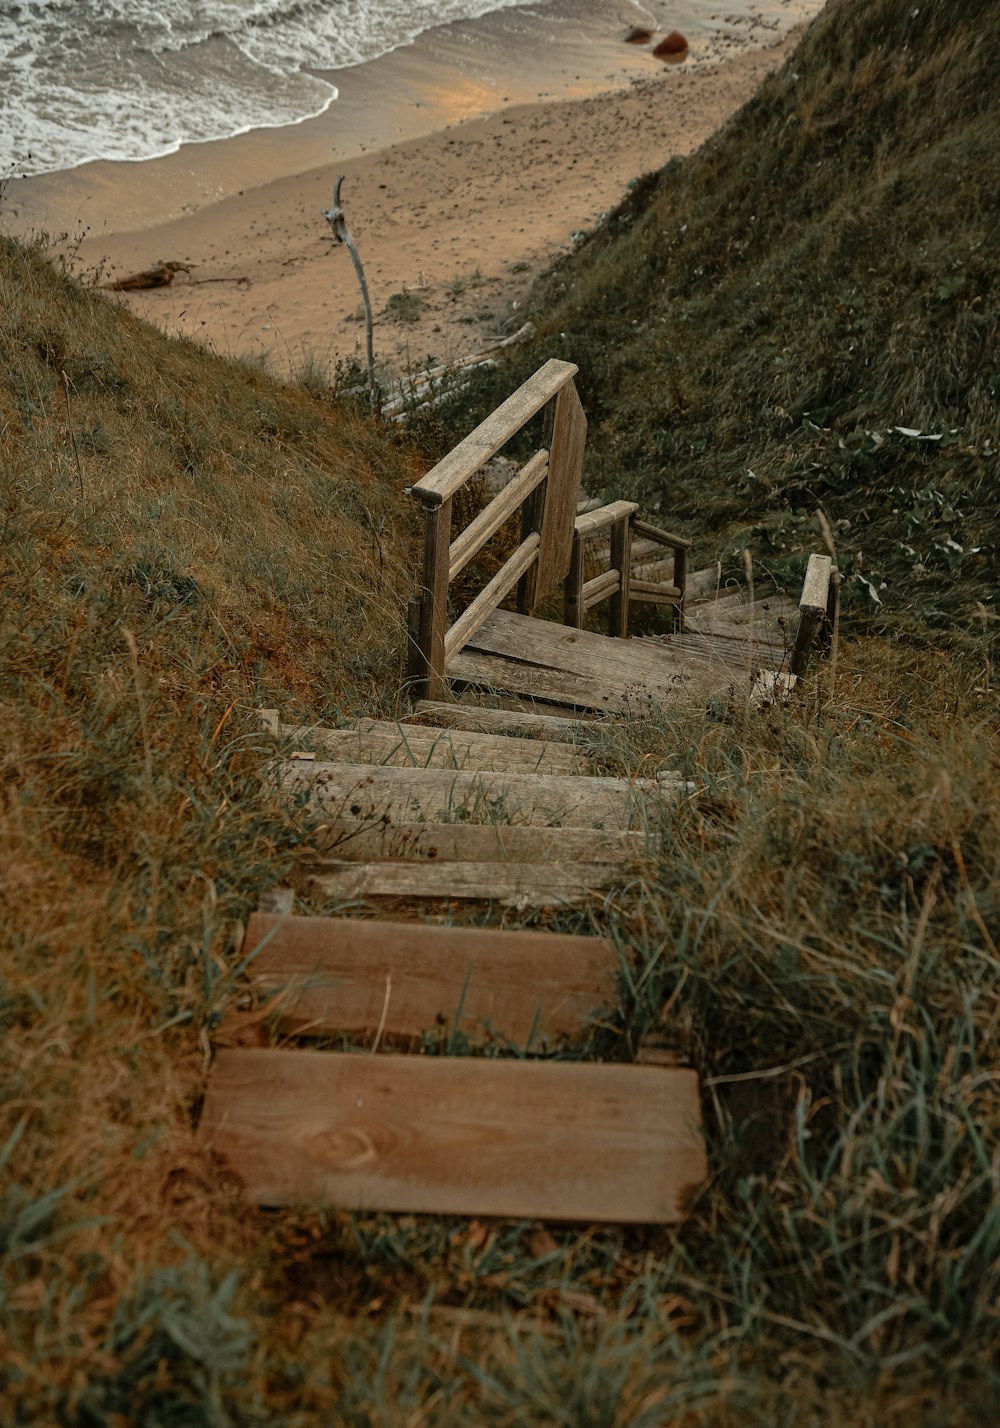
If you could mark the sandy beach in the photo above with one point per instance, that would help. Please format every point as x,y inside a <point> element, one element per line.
<point>470,159</point>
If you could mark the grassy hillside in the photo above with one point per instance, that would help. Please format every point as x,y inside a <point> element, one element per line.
<point>753,323</point>
<point>182,540</point>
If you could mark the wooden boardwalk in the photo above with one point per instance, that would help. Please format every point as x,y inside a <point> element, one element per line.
<point>485,795</point>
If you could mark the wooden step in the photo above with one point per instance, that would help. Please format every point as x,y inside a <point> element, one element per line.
<point>458,1136</point>
<point>370,792</point>
<point>495,843</point>
<point>380,741</point>
<point>519,722</point>
<point>519,885</point>
<point>574,666</point>
<point>348,975</point>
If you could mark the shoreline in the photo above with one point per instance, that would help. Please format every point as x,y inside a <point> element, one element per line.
<point>470,158</point>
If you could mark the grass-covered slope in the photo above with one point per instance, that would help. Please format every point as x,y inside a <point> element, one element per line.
<point>181,540</point>
<point>753,322</point>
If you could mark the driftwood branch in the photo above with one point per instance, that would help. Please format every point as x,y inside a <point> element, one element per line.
<point>342,234</point>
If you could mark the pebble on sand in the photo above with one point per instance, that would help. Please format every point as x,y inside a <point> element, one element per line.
<point>672,46</point>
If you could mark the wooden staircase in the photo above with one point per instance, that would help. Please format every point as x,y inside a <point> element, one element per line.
<point>486,796</point>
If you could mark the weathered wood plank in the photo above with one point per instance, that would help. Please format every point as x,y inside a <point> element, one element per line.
<point>519,885</point>
<point>573,605</point>
<point>491,517</point>
<point>654,587</point>
<point>703,584</point>
<point>650,594</point>
<point>348,975</point>
<point>592,522</point>
<point>490,596</point>
<point>475,842</point>
<point>812,611</point>
<point>498,675</point>
<point>369,792</point>
<point>562,490</point>
<point>460,1136</point>
<point>581,652</point>
<point>503,721</point>
<point>451,473</point>
<point>656,533</point>
<point>380,741</point>
<point>621,561</point>
<point>598,589</point>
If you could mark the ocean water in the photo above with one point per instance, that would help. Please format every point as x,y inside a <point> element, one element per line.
<point>133,79</point>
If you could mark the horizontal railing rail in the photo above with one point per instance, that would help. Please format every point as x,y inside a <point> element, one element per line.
<point>623,582</point>
<point>545,491</point>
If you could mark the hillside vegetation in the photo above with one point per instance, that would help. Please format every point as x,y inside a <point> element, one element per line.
<point>755,323</point>
<point>182,540</point>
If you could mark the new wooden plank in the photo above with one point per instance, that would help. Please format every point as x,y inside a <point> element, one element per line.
<point>562,490</point>
<point>503,721</point>
<point>451,473</point>
<point>380,741</point>
<point>401,795</point>
<point>518,885</point>
<point>495,843</point>
<point>458,1136</point>
<point>500,509</point>
<point>349,975</point>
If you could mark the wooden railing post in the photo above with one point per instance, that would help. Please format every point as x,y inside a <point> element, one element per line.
<point>573,590</point>
<point>621,559</point>
<point>434,596</point>
<point>680,581</point>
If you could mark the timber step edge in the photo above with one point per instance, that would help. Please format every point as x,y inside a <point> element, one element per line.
<point>407,795</point>
<point>328,975</point>
<point>458,1135</point>
<point>519,885</point>
<point>381,741</point>
<point>495,843</point>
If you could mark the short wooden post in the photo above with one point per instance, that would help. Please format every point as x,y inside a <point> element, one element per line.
<point>812,611</point>
<point>573,589</point>
<point>434,596</point>
<point>621,559</point>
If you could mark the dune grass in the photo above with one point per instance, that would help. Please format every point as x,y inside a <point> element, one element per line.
<point>182,540</point>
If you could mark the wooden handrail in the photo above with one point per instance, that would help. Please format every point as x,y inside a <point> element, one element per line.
<point>593,522</point>
<point>471,541</point>
<point>452,472</point>
<point>660,536</point>
<point>488,599</point>
<point>546,490</point>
